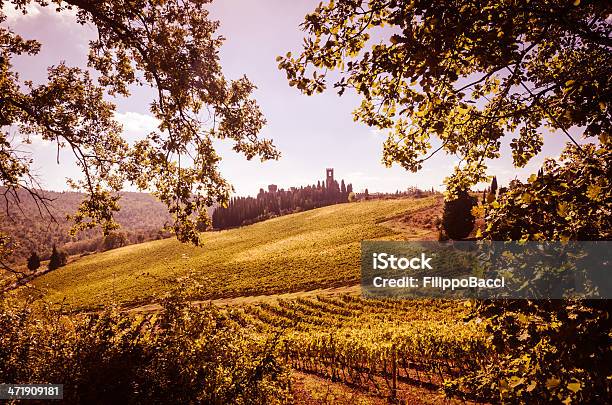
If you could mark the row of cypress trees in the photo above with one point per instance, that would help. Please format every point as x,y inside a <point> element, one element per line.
<point>268,204</point>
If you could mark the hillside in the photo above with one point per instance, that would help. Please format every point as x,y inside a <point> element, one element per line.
<point>141,217</point>
<point>303,251</point>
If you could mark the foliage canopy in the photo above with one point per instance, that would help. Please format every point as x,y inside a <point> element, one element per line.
<point>169,45</point>
<point>469,73</point>
<point>465,72</point>
<point>571,199</point>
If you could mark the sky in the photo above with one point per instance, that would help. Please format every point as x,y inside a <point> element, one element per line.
<point>311,132</point>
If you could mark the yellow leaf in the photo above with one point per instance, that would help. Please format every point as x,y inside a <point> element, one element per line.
<point>477,210</point>
<point>576,2</point>
<point>532,178</point>
<point>552,382</point>
<point>562,209</point>
<point>593,192</point>
<point>526,197</point>
<point>462,108</point>
<point>515,381</point>
<point>574,387</point>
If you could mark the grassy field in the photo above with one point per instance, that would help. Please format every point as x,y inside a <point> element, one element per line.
<point>303,251</point>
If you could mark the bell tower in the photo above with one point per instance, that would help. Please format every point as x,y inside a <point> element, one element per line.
<point>329,177</point>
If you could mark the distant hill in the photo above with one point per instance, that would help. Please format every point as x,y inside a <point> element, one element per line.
<point>312,249</point>
<point>141,218</point>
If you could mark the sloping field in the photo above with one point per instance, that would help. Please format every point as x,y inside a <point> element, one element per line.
<point>304,251</point>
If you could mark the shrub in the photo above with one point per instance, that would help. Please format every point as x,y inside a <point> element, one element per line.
<point>457,219</point>
<point>181,355</point>
<point>550,351</point>
<point>546,351</point>
<point>114,240</point>
<point>58,259</point>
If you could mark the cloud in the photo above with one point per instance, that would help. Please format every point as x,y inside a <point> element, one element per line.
<point>136,125</point>
<point>13,14</point>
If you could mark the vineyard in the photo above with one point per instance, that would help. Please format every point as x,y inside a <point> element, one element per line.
<point>376,346</point>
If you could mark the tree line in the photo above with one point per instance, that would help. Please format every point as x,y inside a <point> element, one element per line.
<point>142,218</point>
<point>272,203</point>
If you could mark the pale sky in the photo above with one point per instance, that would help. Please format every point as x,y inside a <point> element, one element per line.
<point>312,133</point>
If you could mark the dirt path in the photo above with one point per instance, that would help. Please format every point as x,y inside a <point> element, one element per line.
<point>417,225</point>
<point>314,390</point>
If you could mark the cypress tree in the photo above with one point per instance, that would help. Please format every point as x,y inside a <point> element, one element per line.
<point>57,260</point>
<point>457,218</point>
<point>33,262</point>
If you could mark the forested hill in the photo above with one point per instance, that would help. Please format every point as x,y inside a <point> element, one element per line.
<point>141,218</point>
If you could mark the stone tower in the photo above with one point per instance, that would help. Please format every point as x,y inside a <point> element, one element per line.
<point>329,178</point>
